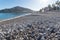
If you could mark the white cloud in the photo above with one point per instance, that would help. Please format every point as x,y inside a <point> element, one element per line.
<point>42,3</point>
<point>37,4</point>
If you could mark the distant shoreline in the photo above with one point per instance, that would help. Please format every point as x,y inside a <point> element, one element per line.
<point>15,17</point>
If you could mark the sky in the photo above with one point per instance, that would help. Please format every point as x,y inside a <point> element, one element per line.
<point>31,4</point>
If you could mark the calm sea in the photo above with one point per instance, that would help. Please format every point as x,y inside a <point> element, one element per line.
<point>9,15</point>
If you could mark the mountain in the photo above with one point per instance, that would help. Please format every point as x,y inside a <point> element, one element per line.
<point>16,9</point>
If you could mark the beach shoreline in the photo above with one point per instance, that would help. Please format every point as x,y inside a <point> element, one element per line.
<point>25,18</point>
<point>36,24</point>
<point>15,17</point>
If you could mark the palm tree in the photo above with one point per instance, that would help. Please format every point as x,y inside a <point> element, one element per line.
<point>49,6</point>
<point>53,7</point>
<point>58,4</point>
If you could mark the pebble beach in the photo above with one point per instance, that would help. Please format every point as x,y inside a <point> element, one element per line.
<point>37,26</point>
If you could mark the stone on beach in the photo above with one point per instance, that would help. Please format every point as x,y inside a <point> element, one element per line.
<point>32,27</point>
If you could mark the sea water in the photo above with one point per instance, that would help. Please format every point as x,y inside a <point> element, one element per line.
<point>10,15</point>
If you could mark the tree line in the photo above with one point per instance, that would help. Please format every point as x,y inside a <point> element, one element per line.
<point>55,6</point>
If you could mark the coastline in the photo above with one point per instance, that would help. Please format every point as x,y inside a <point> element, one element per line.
<point>27,18</point>
<point>36,24</point>
<point>15,17</point>
<point>31,17</point>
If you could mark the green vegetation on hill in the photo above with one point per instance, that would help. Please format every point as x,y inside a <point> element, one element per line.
<point>16,9</point>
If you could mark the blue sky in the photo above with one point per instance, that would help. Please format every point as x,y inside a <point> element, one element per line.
<point>31,4</point>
